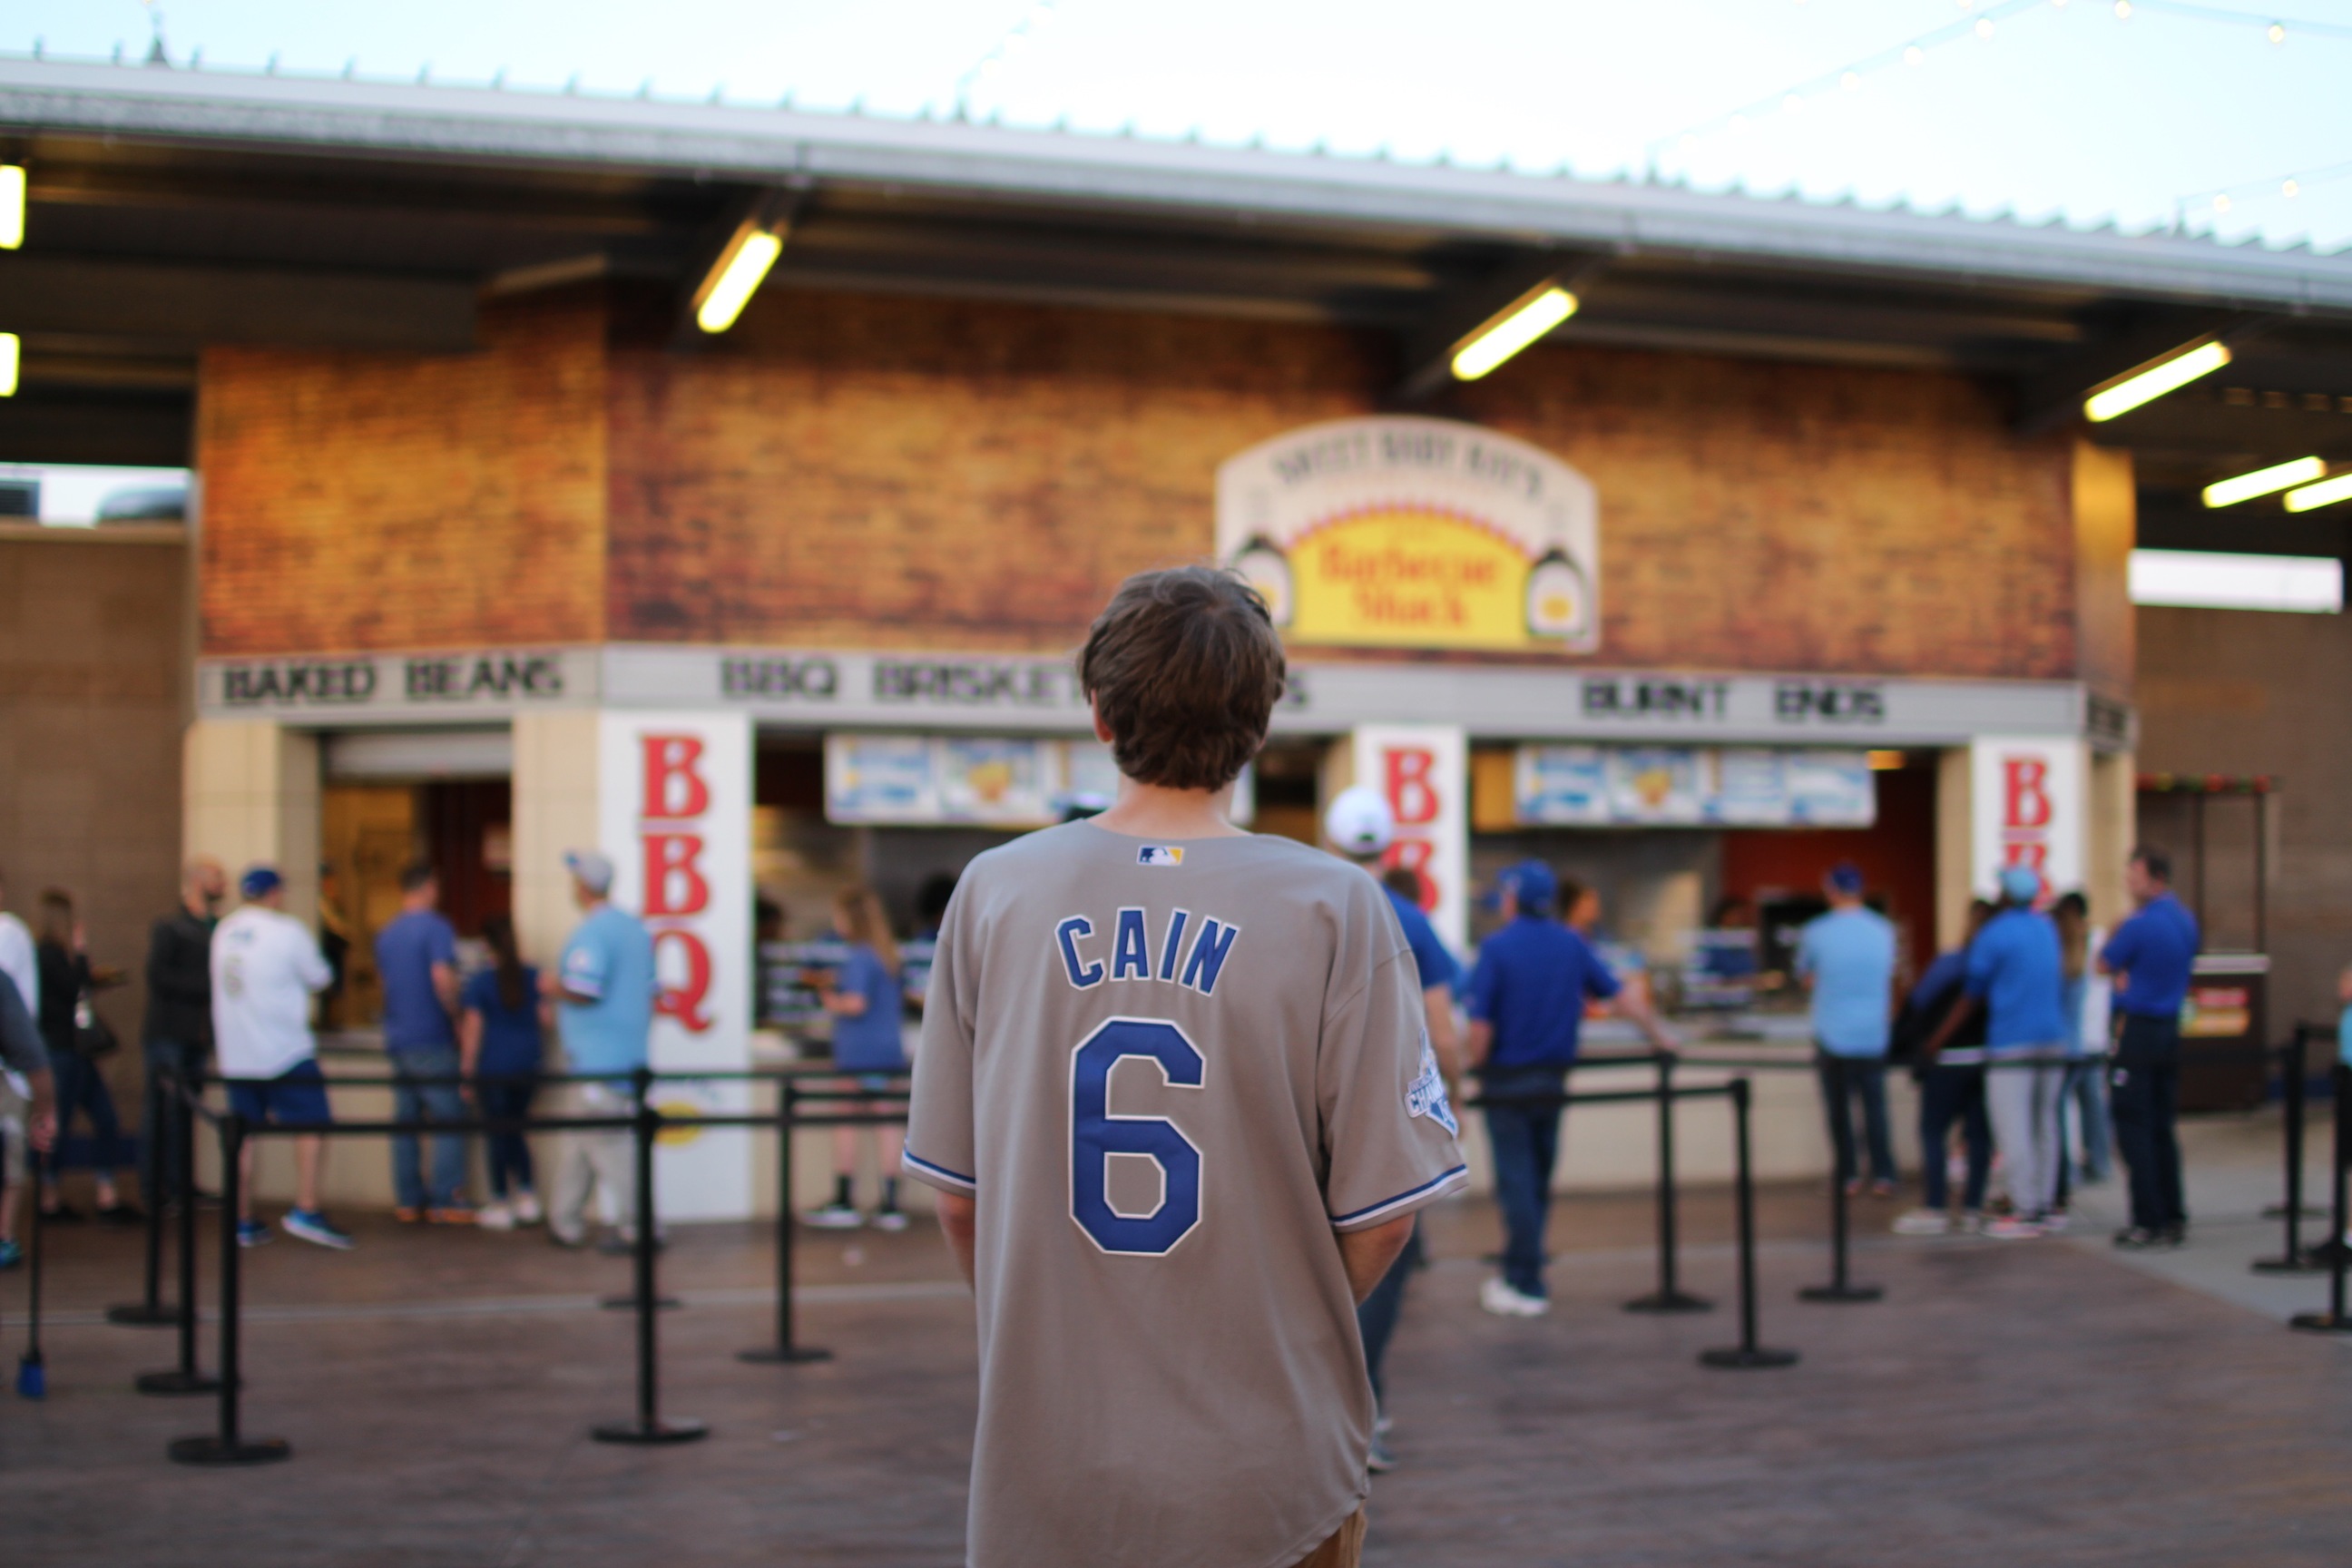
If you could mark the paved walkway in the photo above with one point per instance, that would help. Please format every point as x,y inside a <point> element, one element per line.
<point>2032,1404</point>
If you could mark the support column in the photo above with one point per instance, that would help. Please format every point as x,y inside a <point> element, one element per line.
<point>2114,829</point>
<point>250,796</point>
<point>555,809</point>
<point>1954,830</point>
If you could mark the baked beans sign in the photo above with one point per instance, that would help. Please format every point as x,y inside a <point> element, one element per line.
<point>675,802</point>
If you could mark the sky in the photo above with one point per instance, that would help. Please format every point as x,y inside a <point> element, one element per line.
<point>2066,110</point>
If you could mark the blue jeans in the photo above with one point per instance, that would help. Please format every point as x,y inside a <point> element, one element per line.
<point>1949,1094</point>
<point>1865,1079</point>
<point>510,1152</point>
<point>2089,1087</point>
<point>414,1101</point>
<point>1376,1315</point>
<point>79,1085</point>
<point>1525,1141</point>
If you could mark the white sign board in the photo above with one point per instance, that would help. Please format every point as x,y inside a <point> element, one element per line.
<point>1424,772</point>
<point>675,816</point>
<point>2028,804</point>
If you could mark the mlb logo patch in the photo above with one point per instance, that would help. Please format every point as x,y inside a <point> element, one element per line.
<point>1159,855</point>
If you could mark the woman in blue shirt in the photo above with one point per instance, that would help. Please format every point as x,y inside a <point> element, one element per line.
<point>502,1025</point>
<point>866,1002</point>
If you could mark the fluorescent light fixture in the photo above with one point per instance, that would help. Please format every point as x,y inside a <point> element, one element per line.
<point>736,276</point>
<point>12,206</point>
<point>2148,384</point>
<point>2326,492</point>
<point>2210,580</point>
<point>2263,481</point>
<point>1507,334</point>
<point>11,352</point>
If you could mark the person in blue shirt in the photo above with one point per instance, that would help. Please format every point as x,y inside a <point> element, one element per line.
<point>1952,1090</point>
<point>1846,959</point>
<point>2015,973</point>
<point>1528,993</point>
<point>604,990</point>
<point>416,965</point>
<point>868,1004</point>
<point>500,1024</point>
<point>2151,955</point>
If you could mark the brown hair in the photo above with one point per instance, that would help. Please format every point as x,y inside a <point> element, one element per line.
<point>862,921</point>
<point>1185,668</point>
<point>499,932</point>
<point>56,916</point>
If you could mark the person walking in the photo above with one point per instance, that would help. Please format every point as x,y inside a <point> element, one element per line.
<point>416,962</point>
<point>1174,1095</point>
<point>28,1118</point>
<point>176,1035</point>
<point>18,961</point>
<point>2152,956</point>
<point>76,1043</point>
<point>501,1024</point>
<point>1846,959</point>
<point>2090,1008</point>
<point>266,967</point>
<point>1526,996</point>
<point>1951,1091</point>
<point>604,990</point>
<point>866,1004</point>
<point>2013,972</point>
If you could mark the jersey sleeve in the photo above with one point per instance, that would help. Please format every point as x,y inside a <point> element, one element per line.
<point>1388,1129</point>
<point>940,1149</point>
<point>586,965</point>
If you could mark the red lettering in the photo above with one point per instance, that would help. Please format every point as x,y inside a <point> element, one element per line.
<point>683,1002</point>
<point>1414,855</point>
<point>2025,795</point>
<point>1411,795</point>
<point>675,885</point>
<point>675,787</point>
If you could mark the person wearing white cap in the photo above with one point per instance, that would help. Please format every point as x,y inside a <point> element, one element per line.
<point>603,989</point>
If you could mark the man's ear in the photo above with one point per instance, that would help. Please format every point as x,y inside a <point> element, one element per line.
<point>1102,730</point>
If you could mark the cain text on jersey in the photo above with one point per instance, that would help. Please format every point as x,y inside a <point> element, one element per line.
<point>1188,952</point>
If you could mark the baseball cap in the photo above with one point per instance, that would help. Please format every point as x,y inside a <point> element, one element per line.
<point>1531,882</point>
<point>594,870</point>
<point>1845,877</point>
<point>259,881</point>
<point>1360,822</point>
<point>2020,884</point>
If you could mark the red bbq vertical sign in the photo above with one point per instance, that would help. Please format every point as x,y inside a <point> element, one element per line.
<point>2029,808</point>
<point>1423,771</point>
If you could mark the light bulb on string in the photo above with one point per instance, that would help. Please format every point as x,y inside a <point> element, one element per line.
<point>2123,10</point>
<point>1850,80</point>
<point>1984,29</point>
<point>2291,189</point>
<point>1913,55</point>
<point>2276,34</point>
<point>2222,203</point>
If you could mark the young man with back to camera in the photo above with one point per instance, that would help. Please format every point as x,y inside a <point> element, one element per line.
<point>1177,1093</point>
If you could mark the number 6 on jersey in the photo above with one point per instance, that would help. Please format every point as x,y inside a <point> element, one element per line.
<point>1096,1135</point>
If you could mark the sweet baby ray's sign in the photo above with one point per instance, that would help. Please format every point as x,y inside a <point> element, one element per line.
<point>1399,531</point>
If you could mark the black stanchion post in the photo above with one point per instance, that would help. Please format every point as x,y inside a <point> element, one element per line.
<point>150,1312</point>
<point>1841,1287</point>
<point>648,1428</point>
<point>1669,1297</point>
<point>184,1378</point>
<point>2295,1259</point>
<point>1746,1354</point>
<point>784,1351</point>
<point>2333,1321</point>
<point>229,1446</point>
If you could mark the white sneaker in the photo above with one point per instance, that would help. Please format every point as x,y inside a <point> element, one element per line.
<point>1500,1299</point>
<point>2056,1221</point>
<point>1923,1222</point>
<point>495,1216</point>
<point>833,1217</point>
<point>527,1210</point>
<point>890,1219</point>
<point>2011,1227</point>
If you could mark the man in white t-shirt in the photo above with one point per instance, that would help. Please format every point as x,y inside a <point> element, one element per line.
<point>17,959</point>
<point>265,968</point>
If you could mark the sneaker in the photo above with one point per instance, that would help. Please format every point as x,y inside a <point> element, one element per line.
<point>2136,1239</point>
<point>314,1225</point>
<point>2056,1221</point>
<point>2014,1227</point>
<point>1381,1423</point>
<point>571,1241</point>
<point>1381,1460</point>
<point>1924,1222</point>
<point>833,1217</point>
<point>1972,1222</point>
<point>408,1216</point>
<point>252,1233</point>
<point>1500,1299</point>
<point>11,1255</point>
<point>495,1216</point>
<point>2176,1236</point>
<point>455,1213</point>
<point>527,1210</point>
<point>889,1219</point>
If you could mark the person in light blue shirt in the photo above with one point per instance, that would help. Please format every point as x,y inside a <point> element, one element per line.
<point>1846,959</point>
<point>868,1006</point>
<point>2152,955</point>
<point>2016,973</point>
<point>604,988</point>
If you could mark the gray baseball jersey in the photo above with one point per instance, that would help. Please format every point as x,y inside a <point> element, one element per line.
<point>1167,1072</point>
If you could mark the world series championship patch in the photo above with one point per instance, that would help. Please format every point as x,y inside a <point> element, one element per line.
<point>1426,1095</point>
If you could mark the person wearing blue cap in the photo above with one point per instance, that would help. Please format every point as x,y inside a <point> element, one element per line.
<point>1526,1002</point>
<point>1846,959</point>
<point>2152,955</point>
<point>2016,973</point>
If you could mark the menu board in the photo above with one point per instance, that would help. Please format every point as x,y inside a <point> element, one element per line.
<point>879,778</point>
<point>1562,786</point>
<point>1732,787</point>
<point>992,781</point>
<point>1832,789</point>
<point>1657,784</point>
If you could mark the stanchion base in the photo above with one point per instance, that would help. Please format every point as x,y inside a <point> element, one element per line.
<point>175,1381</point>
<point>2320,1323</point>
<point>629,1303</point>
<point>2300,1263</point>
<point>210,1450</point>
<point>1670,1301</point>
<point>783,1355</point>
<point>144,1315</point>
<point>1841,1293</point>
<point>2278,1210</point>
<point>1739,1357</point>
<point>665,1431</point>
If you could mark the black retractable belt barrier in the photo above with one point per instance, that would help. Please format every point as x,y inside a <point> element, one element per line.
<point>1746,1354</point>
<point>784,1351</point>
<point>149,1311</point>
<point>229,1446</point>
<point>2333,1321</point>
<point>2296,1258</point>
<point>649,1425</point>
<point>1845,1157</point>
<point>1669,1297</point>
<point>184,1378</point>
